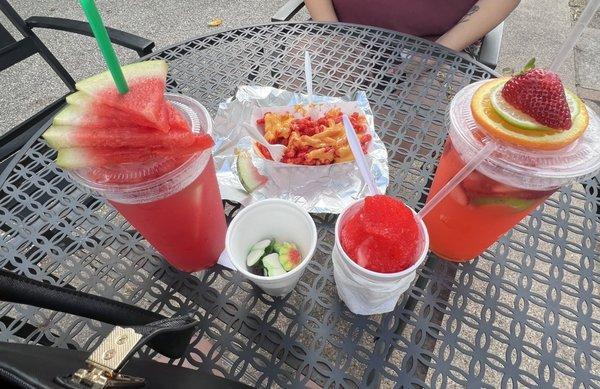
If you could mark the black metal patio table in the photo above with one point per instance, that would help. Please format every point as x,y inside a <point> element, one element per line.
<point>526,313</point>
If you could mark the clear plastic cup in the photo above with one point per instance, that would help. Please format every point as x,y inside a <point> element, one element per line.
<point>366,292</point>
<point>507,186</point>
<point>174,202</point>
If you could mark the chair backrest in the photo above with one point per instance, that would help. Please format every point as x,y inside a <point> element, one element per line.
<point>13,51</point>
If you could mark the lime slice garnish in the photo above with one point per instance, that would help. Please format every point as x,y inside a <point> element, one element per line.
<point>511,202</point>
<point>522,120</point>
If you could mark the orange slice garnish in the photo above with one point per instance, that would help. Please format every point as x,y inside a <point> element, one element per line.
<point>487,117</point>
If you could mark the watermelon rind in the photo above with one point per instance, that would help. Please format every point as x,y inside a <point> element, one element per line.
<point>57,137</point>
<point>69,115</point>
<point>80,157</point>
<point>145,69</point>
<point>72,158</point>
<point>248,174</point>
<point>80,99</point>
<point>78,115</point>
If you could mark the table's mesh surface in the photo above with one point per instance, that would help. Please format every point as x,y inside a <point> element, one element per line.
<point>525,313</point>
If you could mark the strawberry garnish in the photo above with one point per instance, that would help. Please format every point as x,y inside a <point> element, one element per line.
<point>540,94</point>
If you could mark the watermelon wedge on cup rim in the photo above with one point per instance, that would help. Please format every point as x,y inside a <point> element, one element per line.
<point>145,101</point>
<point>101,128</point>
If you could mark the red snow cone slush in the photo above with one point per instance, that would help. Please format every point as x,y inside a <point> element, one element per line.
<point>382,235</point>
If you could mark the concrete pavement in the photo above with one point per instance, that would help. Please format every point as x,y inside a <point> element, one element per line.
<point>587,66</point>
<point>31,85</point>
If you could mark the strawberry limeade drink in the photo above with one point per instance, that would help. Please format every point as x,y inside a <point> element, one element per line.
<point>528,165</point>
<point>475,213</point>
<point>174,202</point>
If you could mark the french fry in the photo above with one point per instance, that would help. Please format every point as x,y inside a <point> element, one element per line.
<point>277,126</point>
<point>311,141</point>
<point>344,154</point>
<point>323,155</point>
<point>329,133</point>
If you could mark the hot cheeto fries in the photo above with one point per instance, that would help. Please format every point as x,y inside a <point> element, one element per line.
<point>312,141</point>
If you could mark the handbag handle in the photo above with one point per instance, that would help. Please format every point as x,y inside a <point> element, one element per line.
<point>171,342</point>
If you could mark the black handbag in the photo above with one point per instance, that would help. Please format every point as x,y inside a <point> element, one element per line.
<point>111,364</point>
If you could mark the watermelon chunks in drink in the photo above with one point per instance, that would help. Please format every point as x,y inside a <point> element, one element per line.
<point>101,128</point>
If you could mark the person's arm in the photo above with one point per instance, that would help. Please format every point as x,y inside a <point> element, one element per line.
<point>321,10</point>
<point>481,19</point>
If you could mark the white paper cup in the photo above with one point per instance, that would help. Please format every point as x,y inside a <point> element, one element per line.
<point>364,291</point>
<point>275,219</point>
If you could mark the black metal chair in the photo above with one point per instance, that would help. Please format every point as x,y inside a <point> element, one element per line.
<point>488,53</point>
<point>13,51</point>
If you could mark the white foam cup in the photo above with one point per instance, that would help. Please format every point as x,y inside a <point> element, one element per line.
<point>271,219</point>
<point>367,292</point>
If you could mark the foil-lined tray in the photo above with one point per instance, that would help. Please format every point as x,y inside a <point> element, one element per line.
<point>318,189</point>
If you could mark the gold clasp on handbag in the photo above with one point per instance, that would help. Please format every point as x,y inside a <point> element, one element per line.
<point>102,370</point>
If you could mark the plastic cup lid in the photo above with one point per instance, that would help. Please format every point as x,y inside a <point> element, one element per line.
<point>151,180</point>
<point>518,166</point>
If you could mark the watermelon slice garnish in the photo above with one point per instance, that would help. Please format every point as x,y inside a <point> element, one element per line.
<point>101,129</point>
<point>83,157</point>
<point>249,176</point>
<point>176,120</point>
<point>85,109</point>
<point>145,100</point>
<point>83,112</point>
<point>96,117</point>
<point>70,136</point>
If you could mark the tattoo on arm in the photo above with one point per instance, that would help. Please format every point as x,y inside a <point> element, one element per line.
<point>473,9</point>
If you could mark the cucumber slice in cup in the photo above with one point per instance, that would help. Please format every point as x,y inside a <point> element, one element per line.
<point>262,245</point>
<point>253,257</point>
<point>272,265</point>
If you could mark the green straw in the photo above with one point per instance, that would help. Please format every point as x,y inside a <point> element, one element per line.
<point>110,57</point>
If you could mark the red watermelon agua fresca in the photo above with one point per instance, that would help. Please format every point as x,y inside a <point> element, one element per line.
<point>100,127</point>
